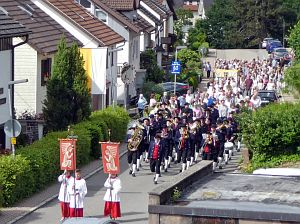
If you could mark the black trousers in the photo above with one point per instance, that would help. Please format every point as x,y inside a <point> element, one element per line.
<point>183,154</point>
<point>214,155</point>
<point>155,165</point>
<point>192,148</point>
<point>206,156</point>
<point>221,150</point>
<point>208,73</point>
<point>132,156</point>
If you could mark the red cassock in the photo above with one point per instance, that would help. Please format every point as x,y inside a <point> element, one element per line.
<point>65,208</point>
<point>112,209</point>
<point>76,212</point>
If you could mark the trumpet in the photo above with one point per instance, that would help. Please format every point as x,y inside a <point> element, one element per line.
<point>209,139</point>
<point>184,136</point>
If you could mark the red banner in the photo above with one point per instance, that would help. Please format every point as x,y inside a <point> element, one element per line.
<point>110,157</point>
<point>67,154</point>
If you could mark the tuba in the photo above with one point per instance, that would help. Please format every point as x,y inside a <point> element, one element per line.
<point>136,138</point>
<point>184,137</point>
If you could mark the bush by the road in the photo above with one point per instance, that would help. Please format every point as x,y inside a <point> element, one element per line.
<point>38,164</point>
<point>17,179</point>
<point>272,134</point>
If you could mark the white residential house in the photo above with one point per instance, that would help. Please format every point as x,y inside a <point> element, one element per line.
<point>9,29</point>
<point>130,27</point>
<point>37,56</point>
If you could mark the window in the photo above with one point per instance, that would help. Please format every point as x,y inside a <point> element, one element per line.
<point>85,3</point>
<point>101,15</point>
<point>112,59</point>
<point>45,71</point>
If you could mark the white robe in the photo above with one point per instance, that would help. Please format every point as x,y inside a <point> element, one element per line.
<point>80,190</point>
<point>63,195</point>
<point>112,195</point>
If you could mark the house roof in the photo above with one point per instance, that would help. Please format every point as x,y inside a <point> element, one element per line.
<point>46,32</point>
<point>141,22</point>
<point>10,27</point>
<point>157,7</point>
<point>193,8</point>
<point>86,21</point>
<point>105,5</point>
<point>148,14</point>
<point>123,5</point>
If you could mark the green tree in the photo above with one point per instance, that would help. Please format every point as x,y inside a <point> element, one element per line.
<point>190,66</point>
<point>153,72</point>
<point>196,36</point>
<point>184,17</point>
<point>68,97</point>
<point>244,24</point>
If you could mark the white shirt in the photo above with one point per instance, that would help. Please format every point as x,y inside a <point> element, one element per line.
<point>80,190</point>
<point>63,195</point>
<point>256,102</point>
<point>112,195</point>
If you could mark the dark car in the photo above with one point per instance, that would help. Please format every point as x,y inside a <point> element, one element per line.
<point>268,96</point>
<point>180,89</point>
<point>272,45</point>
<point>281,52</point>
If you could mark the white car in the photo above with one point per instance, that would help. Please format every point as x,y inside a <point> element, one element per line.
<point>266,41</point>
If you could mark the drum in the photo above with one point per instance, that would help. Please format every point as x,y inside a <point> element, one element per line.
<point>228,146</point>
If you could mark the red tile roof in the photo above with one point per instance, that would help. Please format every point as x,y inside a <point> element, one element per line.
<point>105,5</point>
<point>86,21</point>
<point>193,8</point>
<point>46,32</point>
<point>121,4</point>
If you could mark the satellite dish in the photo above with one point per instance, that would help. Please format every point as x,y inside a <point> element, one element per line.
<point>8,128</point>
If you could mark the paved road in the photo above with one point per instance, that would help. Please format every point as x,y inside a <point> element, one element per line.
<point>134,193</point>
<point>134,196</point>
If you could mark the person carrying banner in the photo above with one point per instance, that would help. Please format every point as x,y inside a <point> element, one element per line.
<point>64,198</point>
<point>111,197</point>
<point>77,191</point>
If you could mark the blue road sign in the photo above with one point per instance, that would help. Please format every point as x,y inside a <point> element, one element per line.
<point>175,67</point>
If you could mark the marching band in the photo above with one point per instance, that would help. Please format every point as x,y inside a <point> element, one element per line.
<point>174,134</point>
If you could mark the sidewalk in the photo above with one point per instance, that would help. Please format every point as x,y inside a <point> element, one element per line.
<point>12,214</point>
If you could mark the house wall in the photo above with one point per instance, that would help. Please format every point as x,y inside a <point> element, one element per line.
<point>26,60</point>
<point>5,74</point>
<point>41,90</point>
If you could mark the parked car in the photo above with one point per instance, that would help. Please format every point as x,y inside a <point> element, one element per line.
<point>265,42</point>
<point>268,96</point>
<point>272,45</point>
<point>181,88</point>
<point>281,52</point>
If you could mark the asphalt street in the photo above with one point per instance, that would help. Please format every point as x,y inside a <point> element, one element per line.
<point>134,197</point>
<point>134,193</point>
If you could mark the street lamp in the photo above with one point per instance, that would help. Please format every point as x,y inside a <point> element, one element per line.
<point>10,104</point>
<point>177,48</point>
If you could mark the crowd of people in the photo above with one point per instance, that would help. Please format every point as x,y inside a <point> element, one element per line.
<point>200,124</point>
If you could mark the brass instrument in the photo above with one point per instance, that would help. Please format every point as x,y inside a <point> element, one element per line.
<point>136,138</point>
<point>193,128</point>
<point>184,136</point>
<point>209,139</point>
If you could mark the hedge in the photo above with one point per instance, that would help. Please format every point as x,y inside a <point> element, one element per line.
<point>17,180</point>
<point>38,164</point>
<point>272,134</point>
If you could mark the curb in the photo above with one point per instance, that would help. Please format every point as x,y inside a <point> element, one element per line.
<point>56,195</point>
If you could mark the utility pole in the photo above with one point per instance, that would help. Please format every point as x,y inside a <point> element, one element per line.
<point>283,30</point>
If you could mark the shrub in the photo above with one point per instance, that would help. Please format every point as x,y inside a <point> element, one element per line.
<point>38,164</point>
<point>17,180</point>
<point>116,118</point>
<point>271,133</point>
